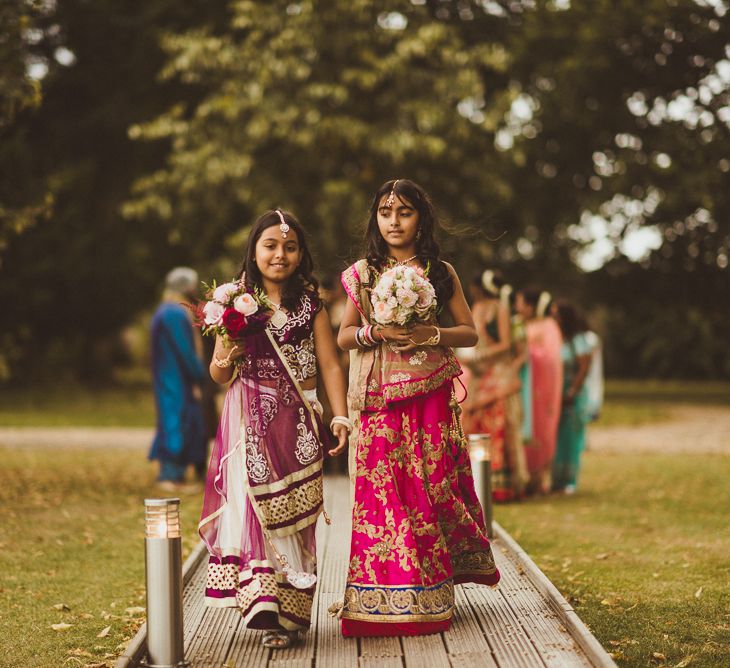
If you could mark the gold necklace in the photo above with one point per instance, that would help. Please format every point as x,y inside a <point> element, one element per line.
<point>403,262</point>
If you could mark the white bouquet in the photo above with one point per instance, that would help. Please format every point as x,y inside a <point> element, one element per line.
<point>403,295</point>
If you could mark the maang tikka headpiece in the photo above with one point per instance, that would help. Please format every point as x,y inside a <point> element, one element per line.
<point>284,227</point>
<point>391,197</point>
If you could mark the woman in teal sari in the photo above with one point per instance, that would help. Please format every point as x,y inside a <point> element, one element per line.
<point>576,356</point>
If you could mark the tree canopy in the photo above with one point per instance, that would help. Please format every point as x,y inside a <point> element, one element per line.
<point>551,134</point>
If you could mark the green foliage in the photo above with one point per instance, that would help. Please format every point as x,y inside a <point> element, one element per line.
<point>175,126</point>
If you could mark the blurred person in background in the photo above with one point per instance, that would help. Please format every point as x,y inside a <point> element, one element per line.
<point>493,402</point>
<point>544,342</point>
<point>576,357</point>
<point>178,376</point>
<point>594,379</point>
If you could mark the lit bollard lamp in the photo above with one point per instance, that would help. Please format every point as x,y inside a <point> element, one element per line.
<point>481,466</point>
<point>163,571</point>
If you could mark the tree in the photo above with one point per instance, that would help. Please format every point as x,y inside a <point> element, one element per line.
<point>69,285</point>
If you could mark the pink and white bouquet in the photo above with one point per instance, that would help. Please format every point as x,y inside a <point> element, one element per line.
<point>232,311</point>
<point>403,295</point>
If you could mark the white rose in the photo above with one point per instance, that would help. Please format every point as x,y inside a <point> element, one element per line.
<point>213,313</point>
<point>224,292</point>
<point>245,304</point>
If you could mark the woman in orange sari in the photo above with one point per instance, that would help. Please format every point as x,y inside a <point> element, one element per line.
<point>493,403</point>
<point>544,342</point>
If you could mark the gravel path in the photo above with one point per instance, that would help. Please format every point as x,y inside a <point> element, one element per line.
<point>691,430</point>
<point>76,437</point>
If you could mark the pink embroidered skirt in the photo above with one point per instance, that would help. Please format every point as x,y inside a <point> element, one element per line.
<point>418,528</point>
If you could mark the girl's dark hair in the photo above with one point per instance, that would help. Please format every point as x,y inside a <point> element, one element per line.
<point>531,295</point>
<point>570,320</point>
<point>497,279</point>
<point>427,249</point>
<point>302,278</point>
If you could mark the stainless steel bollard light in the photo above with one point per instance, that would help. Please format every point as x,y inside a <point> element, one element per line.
<point>163,572</point>
<point>481,466</point>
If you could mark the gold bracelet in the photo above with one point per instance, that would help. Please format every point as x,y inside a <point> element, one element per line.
<point>224,363</point>
<point>431,341</point>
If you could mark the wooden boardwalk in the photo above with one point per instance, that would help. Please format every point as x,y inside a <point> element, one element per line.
<point>523,623</point>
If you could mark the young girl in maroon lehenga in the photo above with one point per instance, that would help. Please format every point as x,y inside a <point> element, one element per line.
<point>264,487</point>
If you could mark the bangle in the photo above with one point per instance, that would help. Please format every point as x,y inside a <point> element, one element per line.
<point>344,421</point>
<point>223,363</point>
<point>431,341</point>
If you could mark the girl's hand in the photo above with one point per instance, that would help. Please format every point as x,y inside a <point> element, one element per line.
<point>342,435</point>
<point>398,335</point>
<point>418,333</point>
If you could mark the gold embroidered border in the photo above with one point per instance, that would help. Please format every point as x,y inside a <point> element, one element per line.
<point>474,562</point>
<point>285,508</point>
<point>288,480</point>
<point>295,602</point>
<point>402,604</point>
<point>416,387</point>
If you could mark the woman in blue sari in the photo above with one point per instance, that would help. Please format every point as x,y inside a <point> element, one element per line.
<point>576,356</point>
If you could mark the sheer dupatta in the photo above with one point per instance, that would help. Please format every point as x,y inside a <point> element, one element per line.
<point>267,419</point>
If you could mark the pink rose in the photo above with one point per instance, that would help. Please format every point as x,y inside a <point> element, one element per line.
<point>224,292</point>
<point>213,312</point>
<point>245,304</point>
<point>383,313</point>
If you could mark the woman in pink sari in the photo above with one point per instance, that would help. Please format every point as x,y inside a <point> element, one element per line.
<point>264,488</point>
<point>417,525</point>
<point>544,342</point>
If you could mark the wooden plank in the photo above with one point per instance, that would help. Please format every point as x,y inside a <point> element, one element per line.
<point>596,654</point>
<point>333,650</point>
<point>538,619</point>
<point>381,662</point>
<point>465,636</point>
<point>427,650</point>
<point>213,638</point>
<point>247,650</point>
<point>380,647</point>
<point>509,644</point>
<point>471,660</point>
<point>289,663</point>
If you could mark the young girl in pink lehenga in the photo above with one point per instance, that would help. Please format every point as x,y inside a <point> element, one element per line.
<point>418,528</point>
<point>264,489</point>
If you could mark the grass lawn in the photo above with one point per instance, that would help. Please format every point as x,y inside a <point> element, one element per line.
<point>71,536</point>
<point>123,405</point>
<point>641,552</point>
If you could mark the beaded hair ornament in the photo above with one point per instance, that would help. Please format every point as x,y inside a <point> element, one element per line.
<point>284,226</point>
<point>391,197</point>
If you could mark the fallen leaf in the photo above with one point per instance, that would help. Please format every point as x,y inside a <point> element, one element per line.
<point>104,632</point>
<point>658,656</point>
<point>103,664</point>
<point>79,652</point>
<point>698,593</point>
<point>137,610</point>
<point>61,606</point>
<point>61,627</point>
<point>684,662</point>
<point>602,555</point>
<point>655,575</point>
<point>619,655</point>
<point>86,615</point>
